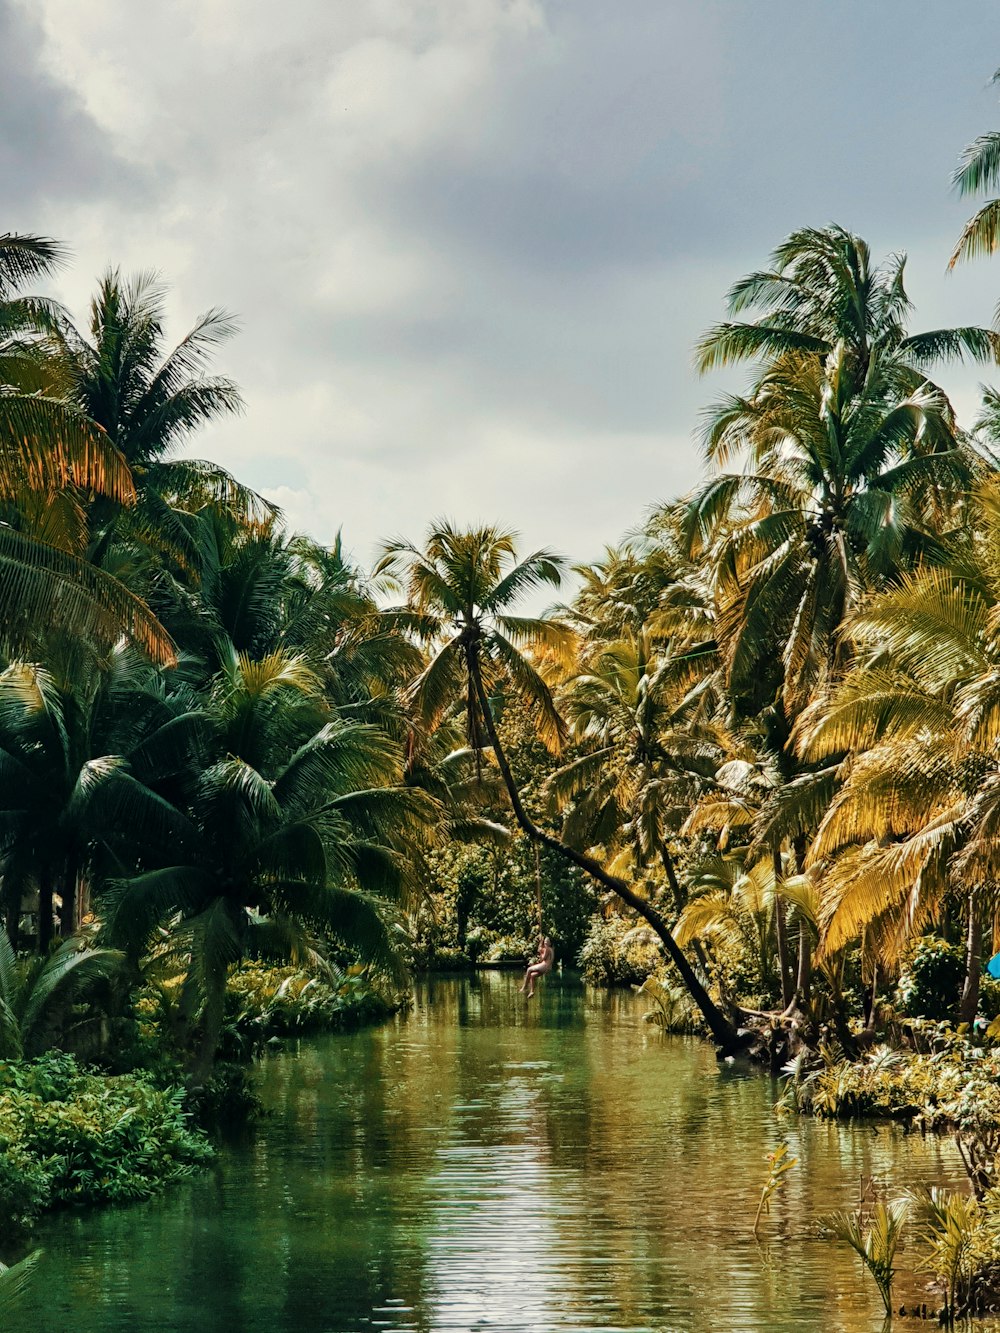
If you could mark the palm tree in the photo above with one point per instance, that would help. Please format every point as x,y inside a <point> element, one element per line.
<point>81,750</point>
<point>51,454</point>
<point>291,819</point>
<point>149,400</point>
<point>822,291</point>
<point>979,169</point>
<point>852,468</point>
<point>461,588</point>
<point>840,491</point>
<point>916,818</point>
<point>36,994</point>
<point>647,751</point>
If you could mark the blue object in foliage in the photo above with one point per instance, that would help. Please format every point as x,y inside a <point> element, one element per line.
<point>993,966</point>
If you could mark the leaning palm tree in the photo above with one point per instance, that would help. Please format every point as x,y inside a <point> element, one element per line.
<point>461,590</point>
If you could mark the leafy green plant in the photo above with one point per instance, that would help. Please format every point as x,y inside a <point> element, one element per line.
<point>778,1166</point>
<point>672,1010</point>
<point>616,953</point>
<point>71,1136</point>
<point>875,1241</point>
<point>930,985</point>
<point>14,1282</point>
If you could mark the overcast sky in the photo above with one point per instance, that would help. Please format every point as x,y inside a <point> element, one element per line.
<point>472,242</point>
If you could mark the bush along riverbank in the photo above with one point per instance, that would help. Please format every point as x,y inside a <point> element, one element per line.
<point>953,1087</point>
<point>69,1135</point>
<point>72,1133</point>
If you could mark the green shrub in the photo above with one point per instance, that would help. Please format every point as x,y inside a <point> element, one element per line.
<point>617,953</point>
<point>509,949</point>
<point>68,1135</point>
<point>932,982</point>
<point>263,1002</point>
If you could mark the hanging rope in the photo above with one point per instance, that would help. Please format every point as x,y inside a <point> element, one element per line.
<point>538,887</point>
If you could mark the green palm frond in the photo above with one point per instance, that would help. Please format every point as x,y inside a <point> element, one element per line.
<point>66,975</point>
<point>40,585</point>
<point>980,235</point>
<point>16,1279</point>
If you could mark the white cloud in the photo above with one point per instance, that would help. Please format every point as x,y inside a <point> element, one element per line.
<point>472,242</point>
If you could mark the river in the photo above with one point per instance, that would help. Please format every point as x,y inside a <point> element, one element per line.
<point>488,1163</point>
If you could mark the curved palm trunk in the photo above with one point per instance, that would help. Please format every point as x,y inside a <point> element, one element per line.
<point>722,1030</point>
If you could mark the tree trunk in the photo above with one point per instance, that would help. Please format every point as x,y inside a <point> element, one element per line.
<point>969,1003</point>
<point>803,975</point>
<point>780,937</point>
<point>722,1030</point>
<point>12,919</point>
<point>44,935</point>
<point>211,1031</point>
<point>668,866</point>
<point>69,901</point>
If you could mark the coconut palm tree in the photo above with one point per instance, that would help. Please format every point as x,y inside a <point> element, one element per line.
<point>840,491</point>
<point>291,819</point>
<point>51,455</point>
<point>149,400</point>
<point>916,818</point>
<point>81,751</point>
<point>979,169</point>
<point>821,292</point>
<point>461,589</point>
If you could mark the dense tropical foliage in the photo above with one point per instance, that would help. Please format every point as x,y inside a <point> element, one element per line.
<point>753,760</point>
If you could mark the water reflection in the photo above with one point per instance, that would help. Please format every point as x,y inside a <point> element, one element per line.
<point>490,1163</point>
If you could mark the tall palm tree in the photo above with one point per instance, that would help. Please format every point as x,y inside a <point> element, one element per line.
<point>149,399</point>
<point>51,456</point>
<point>461,588</point>
<point>839,492</point>
<point>821,291</point>
<point>916,819</point>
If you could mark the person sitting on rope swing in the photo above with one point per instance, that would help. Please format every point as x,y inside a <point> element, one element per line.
<point>546,957</point>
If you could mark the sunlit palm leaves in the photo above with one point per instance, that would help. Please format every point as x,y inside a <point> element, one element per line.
<point>460,589</point>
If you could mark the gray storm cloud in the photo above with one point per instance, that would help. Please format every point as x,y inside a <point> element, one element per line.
<point>471,242</point>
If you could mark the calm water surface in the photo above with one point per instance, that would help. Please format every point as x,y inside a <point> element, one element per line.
<point>482,1163</point>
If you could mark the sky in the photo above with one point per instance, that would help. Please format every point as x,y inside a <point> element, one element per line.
<point>471,243</point>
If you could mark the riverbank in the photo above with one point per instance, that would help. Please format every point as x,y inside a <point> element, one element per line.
<point>954,1087</point>
<point>72,1134</point>
<point>610,1177</point>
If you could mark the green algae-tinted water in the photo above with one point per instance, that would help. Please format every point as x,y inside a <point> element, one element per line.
<point>489,1163</point>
